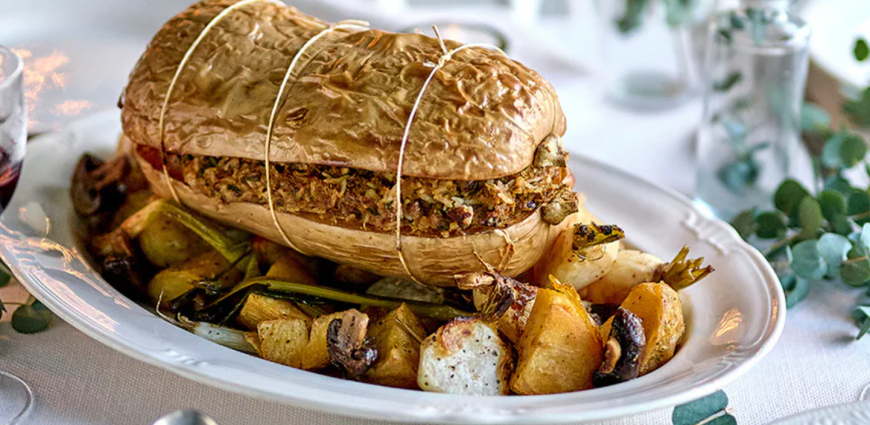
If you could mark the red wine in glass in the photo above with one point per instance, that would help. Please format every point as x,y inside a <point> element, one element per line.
<point>8,179</point>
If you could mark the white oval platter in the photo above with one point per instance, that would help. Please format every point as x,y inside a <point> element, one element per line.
<point>735,317</point>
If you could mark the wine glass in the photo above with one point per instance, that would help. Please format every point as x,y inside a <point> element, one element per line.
<point>16,396</point>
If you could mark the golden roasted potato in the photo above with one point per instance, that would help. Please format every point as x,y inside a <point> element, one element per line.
<point>259,308</point>
<point>178,280</point>
<point>316,355</point>
<point>632,267</point>
<point>283,340</point>
<point>254,339</point>
<point>465,356</point>
<point>290,267</point>
<point>560,348</point>
<point>659,306</point>
<point>397,338</point>
<point>563,263</point>
<point>166,242</point>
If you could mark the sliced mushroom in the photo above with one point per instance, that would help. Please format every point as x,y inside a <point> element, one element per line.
<point>98,185</point>
<point>348,346</point>
<point>623,351</point>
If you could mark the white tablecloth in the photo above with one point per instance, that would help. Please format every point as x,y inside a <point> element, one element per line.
<point>816,363</point>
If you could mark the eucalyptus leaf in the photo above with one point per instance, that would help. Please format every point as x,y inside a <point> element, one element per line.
<point>728,82</point>
<point>839,183</point>
<point>796,289</point>
<point>2,308</point>
<point>632,19</point>
<point>833,204</point>
<point>809,216</point>
<point>28,319</point>
<point>834,248</point>
<point>859,109</point>
<point>808,262</point>
<point>700,410</point>
<point>855,271</point>
<point>858,206</point>
<point>771,225</point>
<point>745,223</point>
<point>842,225</point>
<point>863,319</point>
<point>5,275</point>
<point>740,174</point>
<point>852,150</point>
<point>861,50</point>
<point>831,151</point>
<point>788,196</point>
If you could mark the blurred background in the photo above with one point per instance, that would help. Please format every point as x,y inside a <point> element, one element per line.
<point>634,102</point>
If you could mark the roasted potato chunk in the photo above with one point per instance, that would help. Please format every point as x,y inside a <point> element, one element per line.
<point>283,340</point>
<point>166,242</point>
<point>560,348</point>
<point>397,338</point>
<point>631,268</point>
<point>259,308</point>
<point>661,311</point>
<point>465,356</point>
<point>175,281</point>
<point>316,355</point>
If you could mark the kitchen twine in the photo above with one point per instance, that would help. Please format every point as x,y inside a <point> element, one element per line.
<point>349,24</point>
<point>448,54</point>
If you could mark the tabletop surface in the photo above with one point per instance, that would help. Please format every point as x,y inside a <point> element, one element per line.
<point>80,381</point>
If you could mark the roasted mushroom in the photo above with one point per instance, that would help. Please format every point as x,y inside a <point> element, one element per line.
<point>501,299</point>
<point>119,262</point>
<point>348,346</point>
<point>98,185</point>
<point>623,350</point>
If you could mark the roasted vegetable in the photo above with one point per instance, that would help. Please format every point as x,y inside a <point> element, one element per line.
<point>209,271</point>
<point>316,355</point>
<point>289,267</point>
<point>166,243</point>
<point>631,268</point>
<point>97,186</point>
<point>397,338</point>
<point>259,308</point>
<point>623,351</point>
<point>219,239</point>
<point>323,294</point>
<point>583,253</point>
<point>283,340</point>
<point>489,288</point>
<point>659,307</point>
<point>465,356</point>
<point>228,337</point>
<point>119,264</point>
<point>347,344</point>
<point>560,348</point>
<point>634,267</point>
